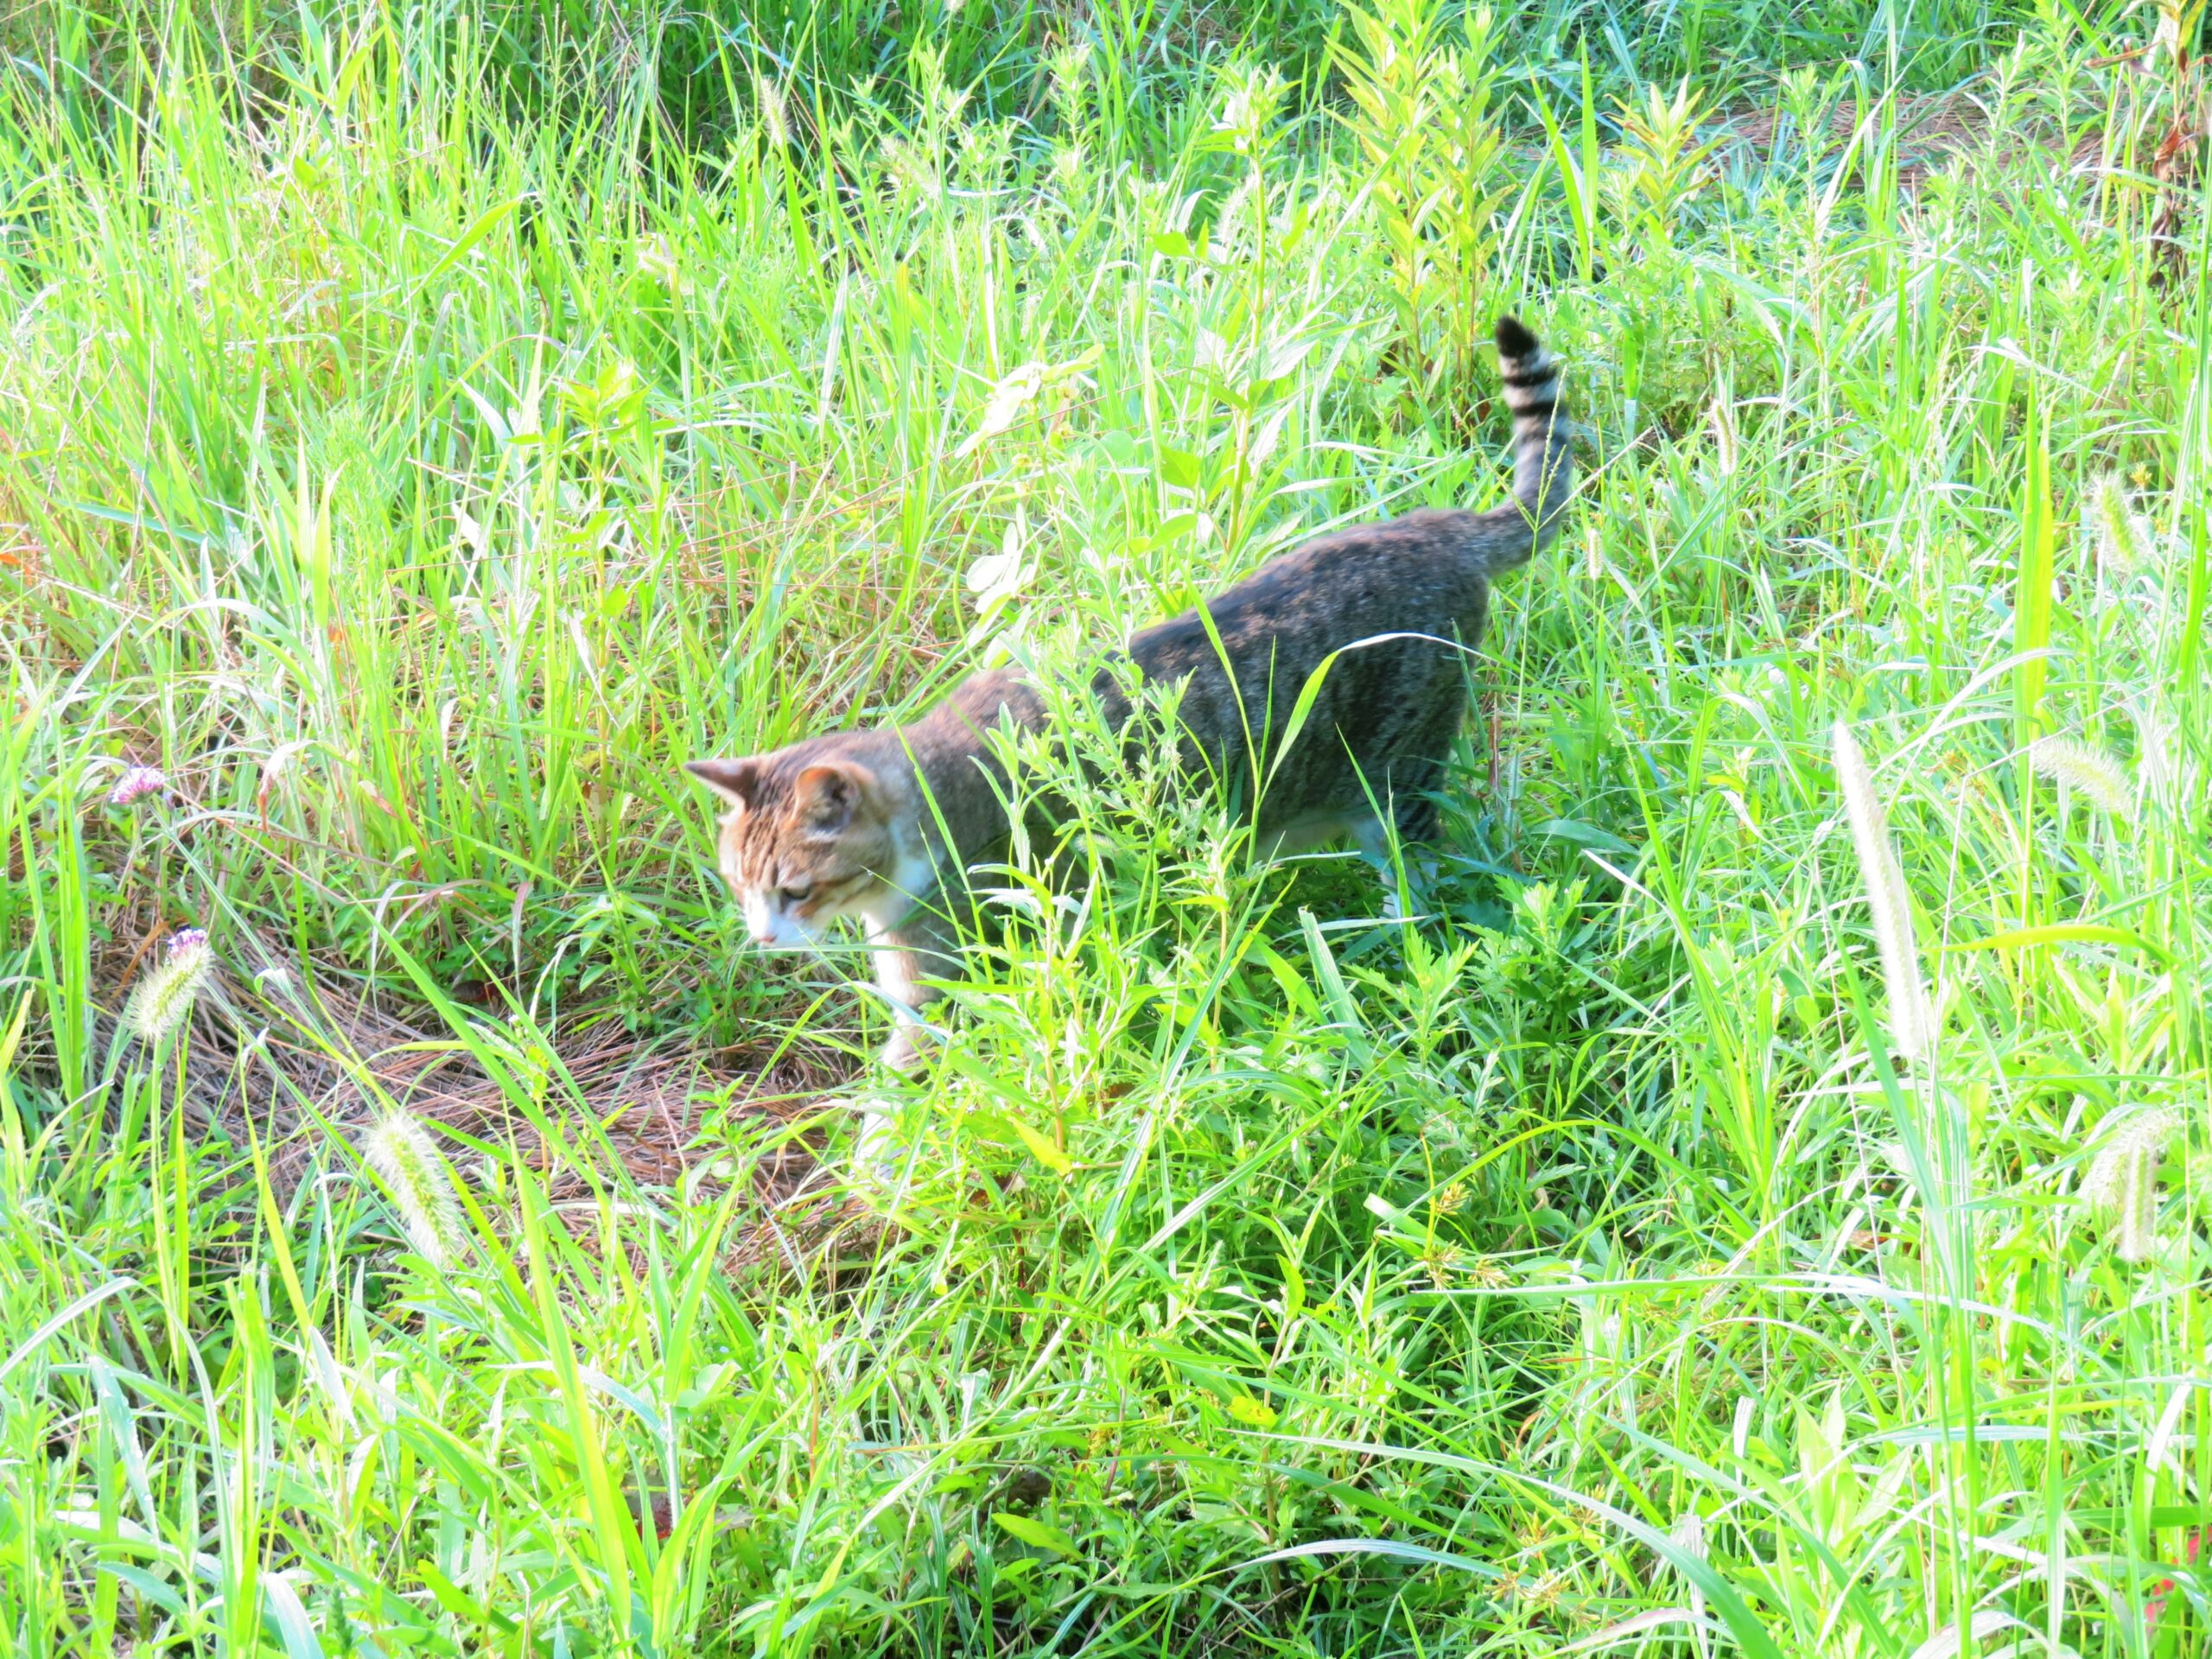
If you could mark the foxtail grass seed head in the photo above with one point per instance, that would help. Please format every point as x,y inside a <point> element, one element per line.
<point>401,1151</point>
<point>774,121</point>
<point>2122,1180</point>
<point>2088,771</point>
<point>163,999</point>
<point>136,783</point>
<point>1724,438</point>
<point>2123,535</point>
<point>1912,1026</point>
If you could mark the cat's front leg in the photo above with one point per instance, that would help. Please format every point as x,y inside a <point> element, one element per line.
<point>910,953</point>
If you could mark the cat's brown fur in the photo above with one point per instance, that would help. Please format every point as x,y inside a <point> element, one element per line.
<point>839,825</point>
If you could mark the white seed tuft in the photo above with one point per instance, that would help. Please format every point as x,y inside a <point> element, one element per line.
<point>2123,535</point>
<point>162,1000</point>
<point>1912,1026</point>
<point>2123,1178</point>
<point>2091,772</point>
<point>402,1152</point>
<point>1723,418</point>
<point>773,120</point>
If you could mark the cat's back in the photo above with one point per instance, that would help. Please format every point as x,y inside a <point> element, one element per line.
<point>979,702</point>
<point>1404,574</point>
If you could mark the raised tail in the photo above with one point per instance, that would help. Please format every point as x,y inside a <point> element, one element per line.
<point>1543,453</point>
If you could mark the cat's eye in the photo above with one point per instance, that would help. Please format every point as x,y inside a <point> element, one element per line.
<point>794,895</point>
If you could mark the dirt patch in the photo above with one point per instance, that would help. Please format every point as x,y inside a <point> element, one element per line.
<point>300,1066</point>
<point>1933,129</point>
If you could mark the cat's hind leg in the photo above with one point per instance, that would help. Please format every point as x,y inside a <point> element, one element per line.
<point>1413,818</point>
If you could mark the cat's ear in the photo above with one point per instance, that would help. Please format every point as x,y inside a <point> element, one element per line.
<point>828,794</point>
<point>737,782</point>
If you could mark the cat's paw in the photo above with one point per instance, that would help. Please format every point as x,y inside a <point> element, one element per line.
<point>878,1153</point>
<point>1394,913</point>
<point>907,1048</point>
<point>1421,880</point>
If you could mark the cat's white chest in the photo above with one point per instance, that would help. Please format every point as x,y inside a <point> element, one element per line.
<point>910,882</point>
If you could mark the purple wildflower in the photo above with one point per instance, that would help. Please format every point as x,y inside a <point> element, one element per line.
<point>137,781</point>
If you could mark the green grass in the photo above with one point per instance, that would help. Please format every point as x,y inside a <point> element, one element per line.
<point>420,431</point>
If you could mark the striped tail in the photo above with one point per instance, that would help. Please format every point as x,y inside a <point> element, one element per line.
<point>1543,453</point>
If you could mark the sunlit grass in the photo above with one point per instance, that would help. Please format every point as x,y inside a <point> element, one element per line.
<point>415,444</point>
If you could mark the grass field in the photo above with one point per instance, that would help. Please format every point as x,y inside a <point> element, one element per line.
<point>1762,1214</point>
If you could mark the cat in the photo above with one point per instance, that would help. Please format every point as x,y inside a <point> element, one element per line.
<point>839,826</point>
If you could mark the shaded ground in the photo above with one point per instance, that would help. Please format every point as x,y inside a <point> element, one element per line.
<point>299,1068</point>
<point>1933,130</point>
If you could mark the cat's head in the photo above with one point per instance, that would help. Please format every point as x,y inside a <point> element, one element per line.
<point>802,843</point>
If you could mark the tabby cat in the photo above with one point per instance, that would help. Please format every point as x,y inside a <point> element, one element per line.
<point>838,826</point>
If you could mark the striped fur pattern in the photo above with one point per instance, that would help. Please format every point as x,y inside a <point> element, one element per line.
<point>839,826</point>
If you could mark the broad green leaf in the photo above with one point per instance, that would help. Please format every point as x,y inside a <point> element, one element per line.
<point>1047,1154</point>
<point>1037,1535</point>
